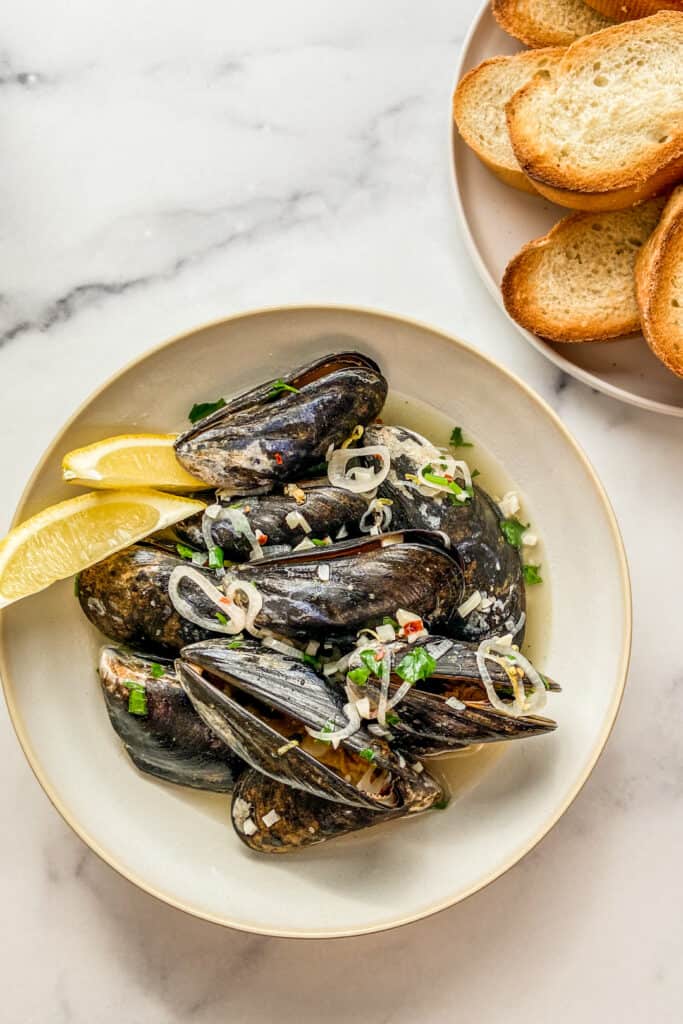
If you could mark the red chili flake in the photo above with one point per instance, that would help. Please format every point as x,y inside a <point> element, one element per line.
<point>379,656</point>
<point>447,476</point>
<point>225,600</point>
<point>414,626</point>
<point>278,458</point>
<point>262,538</point>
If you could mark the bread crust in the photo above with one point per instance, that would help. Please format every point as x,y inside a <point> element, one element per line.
<point>657,262</point>
<point>513,176</point>
<point>512,21</point>
<point>615,189</point>
<point>629,10</point>
<point>519,293</point>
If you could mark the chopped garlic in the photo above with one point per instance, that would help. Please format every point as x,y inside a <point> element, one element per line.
<point>295,519</point>
<point>271,818</point>
<point>403,617</point>
<point>468,606</point>
<point>529,539</point>
<point>509,504</point>
<point>385,634</point>
<point>249,827</point>
<point>295,492</point>
<point>324,573</point>
<point>456,704</point>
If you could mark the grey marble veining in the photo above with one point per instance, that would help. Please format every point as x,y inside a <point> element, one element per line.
<point>165,164</point>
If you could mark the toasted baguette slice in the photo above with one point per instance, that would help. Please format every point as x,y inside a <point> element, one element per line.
<point>606,130</point>
<point>659,286</point>
<point>479,108</point>
<point>629,10</point>
<point>576,283</point>
<point>547,22</point>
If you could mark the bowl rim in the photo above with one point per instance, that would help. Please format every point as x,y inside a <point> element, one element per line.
<point>455,143</point>
<point>8,683</point>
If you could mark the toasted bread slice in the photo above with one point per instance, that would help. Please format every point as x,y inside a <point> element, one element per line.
<point>606,130</point>
<point>659,286</point>
<point>576,283</point>
<point>547,22</point>
<point>629,10</point>
<point>479,108</point>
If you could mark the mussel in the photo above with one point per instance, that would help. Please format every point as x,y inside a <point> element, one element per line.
<point>334,591</point>
<point>260,702</point>
<point>491,566</point>
<point>270,817</point>
<point>449,709</point>
<point>250,527</point>
<point>160,730</point>
<point>278,430</point>
<point>126,597</point>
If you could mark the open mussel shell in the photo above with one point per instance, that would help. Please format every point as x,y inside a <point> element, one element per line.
<point>263,736</point>
<point>270,817</point>
<point>335,591</point>
<point>424,724</point>
<point>168,740</point>
<point>325,510</point>
<point>126,597</point>
<point>273,433</point>
<point>490,565</point>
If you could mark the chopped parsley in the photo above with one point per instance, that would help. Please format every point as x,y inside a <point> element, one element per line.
<point>234,644</point>
<point>371,662</point>
<point>216,557</point>
<point>416,665</point>
<point>457,440</point>
<point>450,485</point>
<point>359,676</point>
<point>202,409</point>
<point>137,698</point>
<point>311,660</point>
<point>392,719</point>
<point>278,386</point>
<point>157,670</point>
<point>367,754</point>
<point>388,621</point>
<point>318,542</point>
<point>185,552</point>
<point>222,618</point>
<point>513,531</point>
<point>532,574</point>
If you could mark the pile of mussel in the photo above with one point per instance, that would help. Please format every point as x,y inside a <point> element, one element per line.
<point>345,609</point>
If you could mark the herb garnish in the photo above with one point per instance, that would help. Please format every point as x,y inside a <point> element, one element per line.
<point>434,478</point>
<point>222,618</point>
<point>388,621</point>
<point>278,386</point>
<point>203,409</point>
<point>416,665</point>
<point>310,659</point>
<point>367,754</point>
<point>457,440</point>
<point>532,574</point>
<point>513,530</point>
<point>216,557</point>
<point>391,718</point>
<point>157,670</point>
<point>234,644</point>
<point>185,552</point>
<point>137,698</point>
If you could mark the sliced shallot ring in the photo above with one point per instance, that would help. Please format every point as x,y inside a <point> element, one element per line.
<point>335,738</point>
<point>233,613</point>
<point>522,705</point>
<point>353,480</point>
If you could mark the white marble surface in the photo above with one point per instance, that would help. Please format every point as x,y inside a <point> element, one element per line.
<point>164,164</point>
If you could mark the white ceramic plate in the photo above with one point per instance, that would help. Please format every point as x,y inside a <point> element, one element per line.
<point>179,845</point>
<point>498,220</point>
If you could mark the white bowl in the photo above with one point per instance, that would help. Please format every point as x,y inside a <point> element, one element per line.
<point>498,220</point>
<point>178,845</point>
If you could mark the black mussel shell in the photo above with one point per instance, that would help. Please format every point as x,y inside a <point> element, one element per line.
<point>490,564</point>
<point>126,597</point>
<point>168,740</point>
<point>273,433</point>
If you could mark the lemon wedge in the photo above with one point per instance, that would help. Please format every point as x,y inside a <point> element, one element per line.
<point>130,460</point>
<point>66,538</point>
